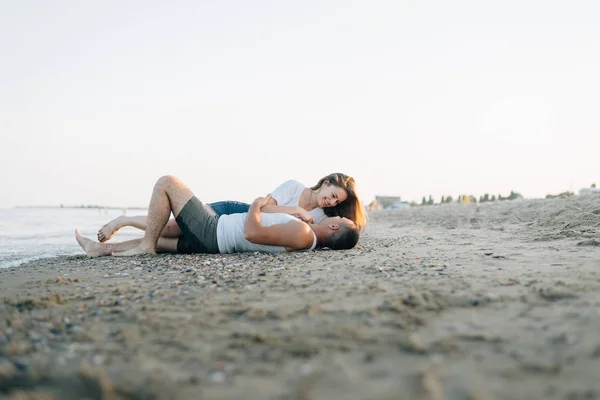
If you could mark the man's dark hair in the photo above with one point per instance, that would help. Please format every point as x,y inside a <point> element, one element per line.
<point>344,238</point>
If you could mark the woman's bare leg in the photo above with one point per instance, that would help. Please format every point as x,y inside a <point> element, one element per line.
<point>167,245</point>
<point>94,249</point>
<point>171,230</point>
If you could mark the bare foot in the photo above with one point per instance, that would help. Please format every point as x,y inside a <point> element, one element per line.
<point>134,252</point>
<point>108,231</point>
<point>91,248</point>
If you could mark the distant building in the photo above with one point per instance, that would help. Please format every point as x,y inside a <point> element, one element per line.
<point>387,202</point>
<point>589,190</point>
<point>399,205</point>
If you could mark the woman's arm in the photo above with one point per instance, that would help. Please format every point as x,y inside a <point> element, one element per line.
<point>272,208</point>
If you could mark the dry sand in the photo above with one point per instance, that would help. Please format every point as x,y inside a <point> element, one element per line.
<point>497,301</point>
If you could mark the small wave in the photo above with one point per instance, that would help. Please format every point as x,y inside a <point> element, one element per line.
<point>16,263</point>
<point>32,234</point>
<point>19,259</point>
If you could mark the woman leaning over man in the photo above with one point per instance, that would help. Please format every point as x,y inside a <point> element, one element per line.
<point>333,196</point>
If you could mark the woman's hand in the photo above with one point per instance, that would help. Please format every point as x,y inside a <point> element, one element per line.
<point>305,215</point>
<point>260,202</point>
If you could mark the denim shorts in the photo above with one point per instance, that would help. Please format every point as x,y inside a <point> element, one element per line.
<point>229,207</point>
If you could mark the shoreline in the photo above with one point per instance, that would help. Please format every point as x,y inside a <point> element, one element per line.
<point>488,301</point>
<point>87,207</point>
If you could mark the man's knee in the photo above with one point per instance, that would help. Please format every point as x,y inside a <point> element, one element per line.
<point>168,181</point>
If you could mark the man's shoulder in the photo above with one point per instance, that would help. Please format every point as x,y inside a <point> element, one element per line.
<point>299,232</point>
<point>299,226</point>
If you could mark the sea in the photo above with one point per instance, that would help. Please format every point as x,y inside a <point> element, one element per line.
<point>28,234</point>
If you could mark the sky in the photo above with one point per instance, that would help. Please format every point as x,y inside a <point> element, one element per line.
<point>98,99</point>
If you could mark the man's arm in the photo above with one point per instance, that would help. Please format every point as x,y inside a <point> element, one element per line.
<point>295,235</point>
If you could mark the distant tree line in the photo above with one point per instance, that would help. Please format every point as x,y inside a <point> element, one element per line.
<point>466,199</point>
<point>560,195</point>
<point>512,196</point>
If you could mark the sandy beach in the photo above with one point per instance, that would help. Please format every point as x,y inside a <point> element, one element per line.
<point>493,301</point>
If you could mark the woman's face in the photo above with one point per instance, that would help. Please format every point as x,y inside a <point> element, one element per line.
<point>330,196</point>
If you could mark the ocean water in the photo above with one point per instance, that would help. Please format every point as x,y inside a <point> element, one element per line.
<point>28,234</point>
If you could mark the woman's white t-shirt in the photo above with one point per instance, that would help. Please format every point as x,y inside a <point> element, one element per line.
<point>288,194</point>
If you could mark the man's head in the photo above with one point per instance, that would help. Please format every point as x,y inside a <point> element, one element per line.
<point>337,233</point>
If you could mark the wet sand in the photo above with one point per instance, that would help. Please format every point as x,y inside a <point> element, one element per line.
<point>497,301</point>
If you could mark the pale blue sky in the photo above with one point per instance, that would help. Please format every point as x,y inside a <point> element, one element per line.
<point>100,98</point>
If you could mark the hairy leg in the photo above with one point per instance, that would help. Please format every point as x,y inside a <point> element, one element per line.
<point>169,195</point>
<point>94,249</point>
<point>171,230</point>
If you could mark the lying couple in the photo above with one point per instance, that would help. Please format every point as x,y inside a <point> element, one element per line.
<point>292,218</point>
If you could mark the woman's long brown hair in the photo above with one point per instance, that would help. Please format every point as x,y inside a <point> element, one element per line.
<point>351,207</point>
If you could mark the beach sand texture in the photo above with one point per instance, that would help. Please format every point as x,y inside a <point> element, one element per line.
<point>497,301</point>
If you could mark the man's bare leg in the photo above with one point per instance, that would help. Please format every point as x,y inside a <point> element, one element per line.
<point>94,249</point>
<point>171,230</point>
<point>169,195</point>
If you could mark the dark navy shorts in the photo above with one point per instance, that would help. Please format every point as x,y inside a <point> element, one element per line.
<point>229,207</point>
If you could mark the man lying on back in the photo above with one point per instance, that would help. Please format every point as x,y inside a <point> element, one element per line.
<point>203,232</point>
